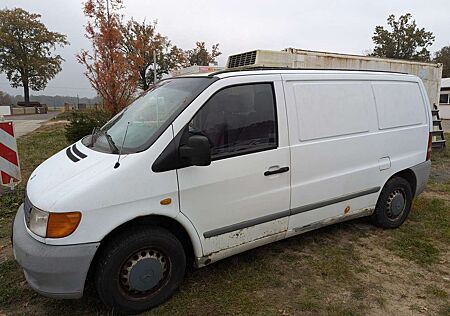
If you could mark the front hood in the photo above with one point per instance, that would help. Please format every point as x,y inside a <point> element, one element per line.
<point>65,172</point>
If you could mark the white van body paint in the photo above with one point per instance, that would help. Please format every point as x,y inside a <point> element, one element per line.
<point>339,156</point>
<point>107,197</point>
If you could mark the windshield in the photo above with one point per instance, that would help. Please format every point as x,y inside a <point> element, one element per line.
<point>148,116</point>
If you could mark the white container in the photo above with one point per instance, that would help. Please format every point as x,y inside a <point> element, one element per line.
<point>5,110</point>
<point>297,58</point>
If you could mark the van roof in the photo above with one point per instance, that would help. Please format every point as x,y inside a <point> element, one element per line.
<point>286,69</point>
<point>247,71</point>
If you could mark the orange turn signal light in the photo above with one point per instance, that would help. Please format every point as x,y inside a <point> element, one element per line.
<point>62,224</point>
<point>166,201</point>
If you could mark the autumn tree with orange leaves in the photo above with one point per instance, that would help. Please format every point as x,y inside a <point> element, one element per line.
<point>122,57</point>
<point>109,69</point>
<point>142,41</point>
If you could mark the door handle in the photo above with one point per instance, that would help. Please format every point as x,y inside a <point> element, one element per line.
<point>279,170</point>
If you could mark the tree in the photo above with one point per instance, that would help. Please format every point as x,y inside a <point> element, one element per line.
<point>404,41</point>
<point>26,50</point>
<point>5,98</point>
<point>108,68</point>
<point>443,56</point>
<point>141,40</point>
<point>200,55</point>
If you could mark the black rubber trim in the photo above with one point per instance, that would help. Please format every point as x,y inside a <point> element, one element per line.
<point>241,225</point>
<point>342,198</point>
<point>262,68</point>
<point>272,217</point>
<point>77,152</point>
<point>71,156</point>
<point>248,150</point>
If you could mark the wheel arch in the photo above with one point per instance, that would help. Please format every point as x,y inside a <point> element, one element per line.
<point>409,176</point>
<point>180,227</point>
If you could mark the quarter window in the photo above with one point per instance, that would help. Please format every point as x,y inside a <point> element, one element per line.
<point>238,120</point>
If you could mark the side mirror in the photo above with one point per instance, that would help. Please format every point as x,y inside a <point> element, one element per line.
<point>197,150</point>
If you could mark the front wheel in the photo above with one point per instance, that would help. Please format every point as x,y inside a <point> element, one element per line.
<point>140,269</point>
<point>394,204</point>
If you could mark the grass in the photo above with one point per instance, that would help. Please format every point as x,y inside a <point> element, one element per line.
<point>423,240</point>
<point>10,277</point>
<point>345,269</point>
<point>427,230</point>
<point>33,149</point>
<point>437,292</point>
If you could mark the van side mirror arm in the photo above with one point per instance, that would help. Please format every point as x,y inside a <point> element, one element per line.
<point>197,150</point>
<point>179,152</point>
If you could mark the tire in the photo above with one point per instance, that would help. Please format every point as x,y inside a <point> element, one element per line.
<point>139,269</point>
<point>394,204</point>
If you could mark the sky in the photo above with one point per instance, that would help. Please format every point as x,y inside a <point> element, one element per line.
<point>344,26</point>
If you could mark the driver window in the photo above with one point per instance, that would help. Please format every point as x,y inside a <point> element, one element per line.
<point>238,120</point>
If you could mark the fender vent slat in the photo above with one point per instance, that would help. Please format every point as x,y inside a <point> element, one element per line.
<point>77,152</point>
<point>71,156</point>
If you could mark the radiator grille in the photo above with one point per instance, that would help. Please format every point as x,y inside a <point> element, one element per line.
<point>241,60</point>
<point>27,206</point>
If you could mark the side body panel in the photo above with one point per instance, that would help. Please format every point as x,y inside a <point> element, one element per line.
<point>346,142</point>
<point>335,167</point>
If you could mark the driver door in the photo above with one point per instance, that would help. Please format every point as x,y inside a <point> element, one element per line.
<point>244,195</point>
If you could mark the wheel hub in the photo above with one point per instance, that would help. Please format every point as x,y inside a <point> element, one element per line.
<point>395,204</point>
<point>143,271</point>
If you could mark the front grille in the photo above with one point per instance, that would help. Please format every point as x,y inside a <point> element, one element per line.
<point>241,60</point>
<point>27,206</point>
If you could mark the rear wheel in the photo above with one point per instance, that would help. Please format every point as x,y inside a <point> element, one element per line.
<point>140,269</point>
<point>394,204</point>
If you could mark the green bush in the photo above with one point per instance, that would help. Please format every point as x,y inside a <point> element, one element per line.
<point>81,123</point>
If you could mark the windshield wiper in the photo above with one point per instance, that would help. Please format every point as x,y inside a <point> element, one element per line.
<point>94,132</point>
<point>111,143</point>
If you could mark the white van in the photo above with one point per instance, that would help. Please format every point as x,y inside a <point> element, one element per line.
<point>204,167</point>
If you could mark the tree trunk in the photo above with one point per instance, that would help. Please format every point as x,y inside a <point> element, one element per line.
<point>143,79</point>
<point>26,92</point>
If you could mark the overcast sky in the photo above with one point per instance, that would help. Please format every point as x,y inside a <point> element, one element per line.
<point>344,26</point>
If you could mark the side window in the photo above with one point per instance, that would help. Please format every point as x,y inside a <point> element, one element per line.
<point>238,120</point>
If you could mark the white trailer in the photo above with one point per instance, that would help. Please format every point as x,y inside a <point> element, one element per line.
<point>297,58</point>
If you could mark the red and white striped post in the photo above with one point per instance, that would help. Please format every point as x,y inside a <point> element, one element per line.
<point>9,158</point>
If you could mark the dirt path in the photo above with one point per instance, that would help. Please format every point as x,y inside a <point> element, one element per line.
<point>24,124</point>
<point>401,286</point>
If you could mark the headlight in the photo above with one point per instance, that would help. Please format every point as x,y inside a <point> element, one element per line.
<point>38,222</point>
<point>53,225</point>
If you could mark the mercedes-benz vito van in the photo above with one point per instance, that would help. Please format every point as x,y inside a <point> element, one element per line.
<point>200,168</point>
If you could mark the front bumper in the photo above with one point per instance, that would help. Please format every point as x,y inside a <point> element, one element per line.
<point>53,271</point>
